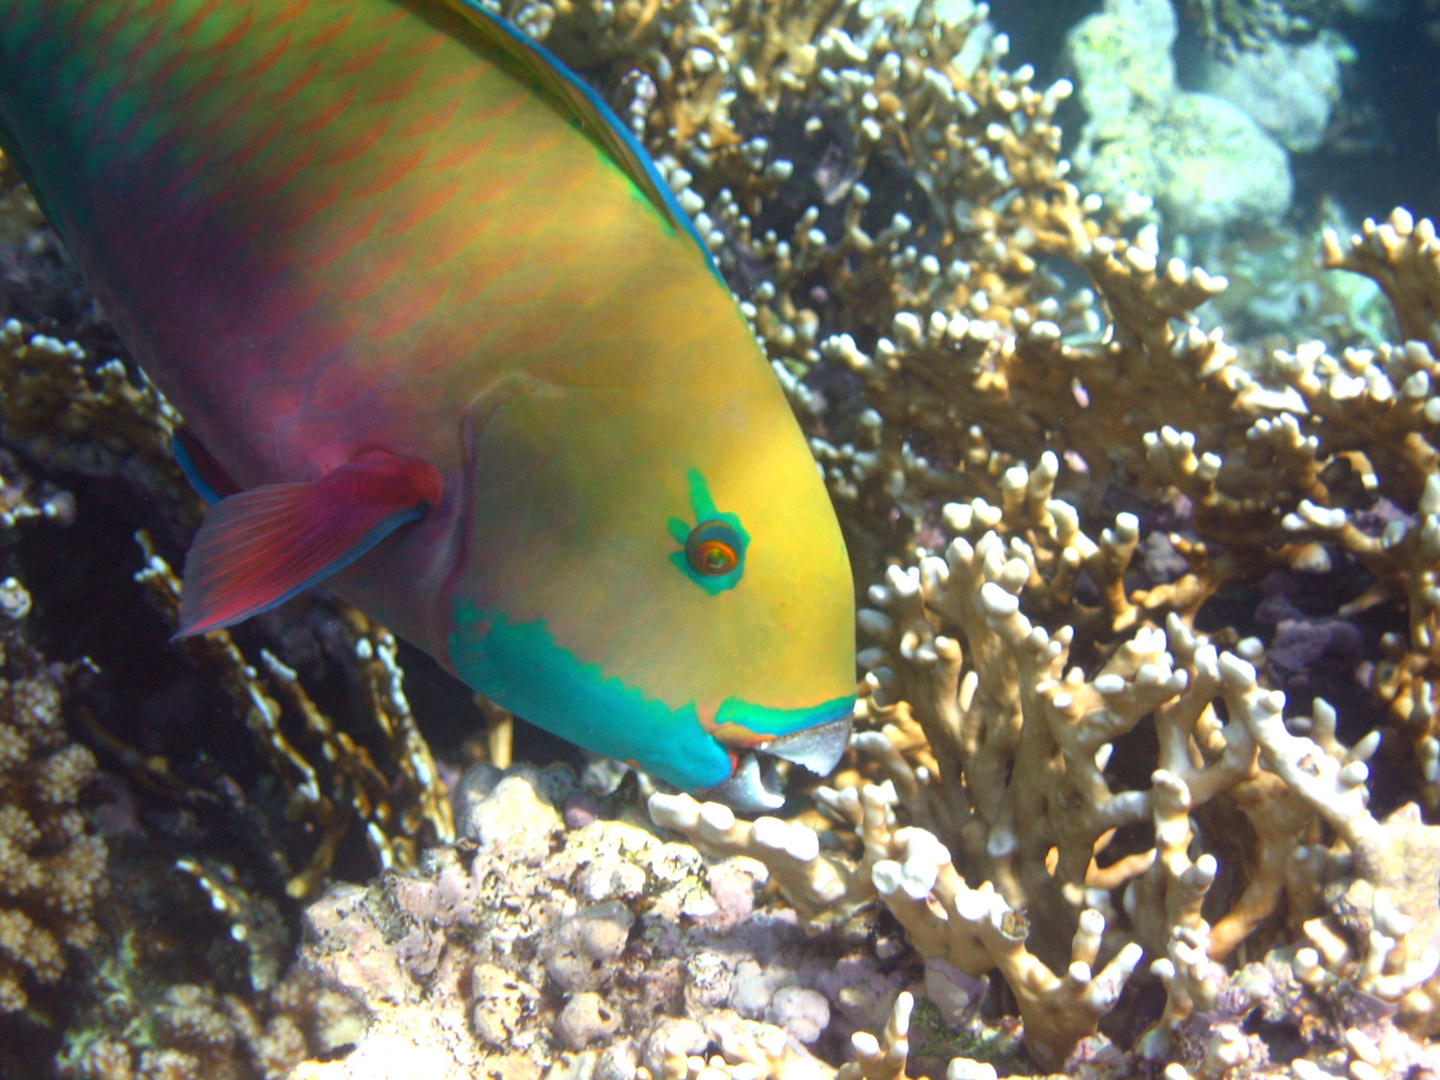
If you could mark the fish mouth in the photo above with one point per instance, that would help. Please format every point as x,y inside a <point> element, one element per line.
<point>755,785</point>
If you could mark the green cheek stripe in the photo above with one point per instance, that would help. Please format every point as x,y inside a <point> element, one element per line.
<point>520,668</point>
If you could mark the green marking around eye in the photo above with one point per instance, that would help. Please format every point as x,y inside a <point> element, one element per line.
<point>705,511</point>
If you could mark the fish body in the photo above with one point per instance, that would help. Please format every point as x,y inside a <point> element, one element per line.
<point>457,357</point>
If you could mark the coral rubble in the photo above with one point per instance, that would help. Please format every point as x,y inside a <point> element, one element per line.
<point>600,948</point>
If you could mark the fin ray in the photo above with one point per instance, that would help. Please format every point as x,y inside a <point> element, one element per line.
<point>258,548</point>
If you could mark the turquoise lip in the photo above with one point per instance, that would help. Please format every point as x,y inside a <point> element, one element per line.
<point>521,669</point>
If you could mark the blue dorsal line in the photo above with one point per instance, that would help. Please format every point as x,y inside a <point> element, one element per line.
<point>192,471</point>
<point>657,189</point>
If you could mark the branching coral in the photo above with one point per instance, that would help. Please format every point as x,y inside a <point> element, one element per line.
<point>1007,672</point>
<point>1015,772</point>
<point>1343,887</point>
<point>938,302</point>
<point>347,788</point>
<point>973,358</point>
<point>78,417</point>
<point>929,179</point>
<point>90,419</point>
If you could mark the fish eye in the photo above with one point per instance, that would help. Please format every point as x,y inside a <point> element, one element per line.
<point>713,549</point>
<point>712,554</point>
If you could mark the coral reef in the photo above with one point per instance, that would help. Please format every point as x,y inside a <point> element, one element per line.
<point>1361,892</point>
<point>51,866</point>
<point>1202,157</point>
<point>1289,90</point>
<point>1236,25</point>
<point>1050,723</point>
<point>194,1033</point>
<point>596,948</point>
<point>343,789</point>
<point>77,417</point>
<point>183,968</point>
<point>1148,758</point>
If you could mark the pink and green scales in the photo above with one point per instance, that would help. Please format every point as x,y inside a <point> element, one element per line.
<point>443,339</point>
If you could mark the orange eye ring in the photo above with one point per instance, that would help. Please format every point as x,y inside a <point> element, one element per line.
<point>715,558</point>
<point>713,549</point>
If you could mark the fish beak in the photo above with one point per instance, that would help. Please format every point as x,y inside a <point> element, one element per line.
<point>754,786</point>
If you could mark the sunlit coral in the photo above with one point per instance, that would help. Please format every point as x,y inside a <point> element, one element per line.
<point>1149,620</point>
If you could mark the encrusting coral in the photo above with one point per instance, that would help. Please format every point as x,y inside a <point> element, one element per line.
<point>550,942</point>
<point>1232,25</point>
<point>194,1032</point>
<point>51,866</point>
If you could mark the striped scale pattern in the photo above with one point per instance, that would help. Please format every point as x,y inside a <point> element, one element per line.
<point>331,226</point>
<point>311,206</point>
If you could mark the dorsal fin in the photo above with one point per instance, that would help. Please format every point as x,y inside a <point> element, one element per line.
<point>578,101</point>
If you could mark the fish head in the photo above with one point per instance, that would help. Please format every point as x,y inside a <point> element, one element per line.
<point>665,583</point>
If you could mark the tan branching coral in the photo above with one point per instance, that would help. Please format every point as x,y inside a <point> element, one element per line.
<point>342,787</point>
<point>978,356</point>
<point>882,1058</point>
<point>819,886</point>
<point>1071,770</point>
<point>1008,673</point>
<point>79,416</point>
<point>975,929</point>
<point>999,748</point>
<point>51,867</point>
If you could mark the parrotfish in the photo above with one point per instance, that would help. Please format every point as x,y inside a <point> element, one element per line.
<point>444,340</point>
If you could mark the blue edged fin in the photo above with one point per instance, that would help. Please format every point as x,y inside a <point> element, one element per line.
<point>260,547</point>
<point>586,109</point>
<point>206,475</point>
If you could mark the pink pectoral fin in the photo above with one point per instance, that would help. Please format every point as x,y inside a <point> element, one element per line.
<point>261,547</point>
